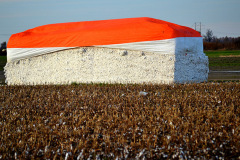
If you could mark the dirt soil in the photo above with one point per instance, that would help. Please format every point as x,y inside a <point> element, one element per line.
<point>231,56</point>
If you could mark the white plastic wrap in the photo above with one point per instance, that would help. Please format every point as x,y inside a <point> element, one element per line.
<point>168,46</point>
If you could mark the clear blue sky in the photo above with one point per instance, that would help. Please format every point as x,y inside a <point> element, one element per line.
<point>221,16</point>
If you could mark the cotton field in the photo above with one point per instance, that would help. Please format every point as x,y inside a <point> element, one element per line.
<point>115,121</point>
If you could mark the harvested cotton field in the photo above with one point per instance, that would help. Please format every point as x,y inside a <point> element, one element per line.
<point>103,65</point>
<point>116,121</point>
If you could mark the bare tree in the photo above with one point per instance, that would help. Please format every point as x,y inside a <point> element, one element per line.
<point>209,36</point>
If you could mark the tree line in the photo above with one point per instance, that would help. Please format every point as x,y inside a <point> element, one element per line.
<point>3,49</point>
<point>211,42</point>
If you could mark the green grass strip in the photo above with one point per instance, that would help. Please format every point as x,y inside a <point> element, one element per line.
<point>222,53</point>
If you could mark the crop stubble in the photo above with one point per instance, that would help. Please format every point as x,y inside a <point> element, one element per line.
<point>110,121</point>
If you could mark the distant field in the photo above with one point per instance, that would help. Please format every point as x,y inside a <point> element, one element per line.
<point>3,61</point>
<point>224,60</point>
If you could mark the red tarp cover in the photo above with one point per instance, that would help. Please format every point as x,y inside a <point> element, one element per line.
<point>104,32</point>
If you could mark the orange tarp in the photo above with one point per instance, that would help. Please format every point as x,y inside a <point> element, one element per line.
<point>104,32</point>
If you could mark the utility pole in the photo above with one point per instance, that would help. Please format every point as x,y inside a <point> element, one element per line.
<point>200,26</point>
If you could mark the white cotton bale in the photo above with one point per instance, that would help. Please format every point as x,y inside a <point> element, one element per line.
<point>106,65</point>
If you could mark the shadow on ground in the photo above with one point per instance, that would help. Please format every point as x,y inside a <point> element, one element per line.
<point>224,75</point>
<point>2,77</point>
